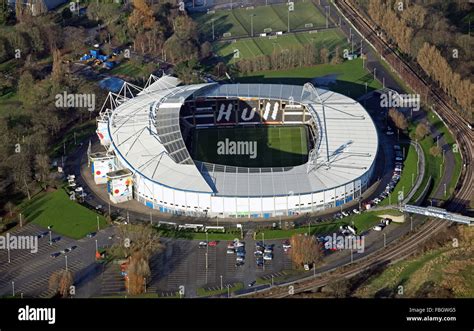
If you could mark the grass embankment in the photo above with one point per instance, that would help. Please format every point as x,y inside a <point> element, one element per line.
<point>362,222</point>
<point>408,176</point>
<point>349,77</point>
<point>191,235</point>
<point>441,272</point>
<point>67,217</point>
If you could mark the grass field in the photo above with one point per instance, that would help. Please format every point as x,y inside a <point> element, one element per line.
<point>362,222</point>
<point>238,22</point>
<point>258,46</point>
<point>410,168</point>
<point>276,146</point>
<point>349,77</point>
<point>67,217</point>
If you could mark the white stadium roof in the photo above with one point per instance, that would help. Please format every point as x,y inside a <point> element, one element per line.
<point>347,142</point>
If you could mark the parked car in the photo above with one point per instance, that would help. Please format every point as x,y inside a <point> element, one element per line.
<point>259,261</point>
<point>202,244</point>
<point>345,214</point>
<point>398,158</point>
<point>230,246</point>
<point>258,253</point>
<point>91,234</point>
<point>240,263</point>
<point>240,259</point>
<point>55,254</point>
<point>377,228</point>
<point>241,254</point>
<point>268,257</point>
<point>356,211</point>
<point>286,244</point>
<point>212,243</point>
<point>389,133</point>
<point>239,244</point>
<point>306,266</point>
<point>230,251</point>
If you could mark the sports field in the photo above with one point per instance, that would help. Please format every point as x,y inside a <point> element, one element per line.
<point>238,22</point>
<point>267,146</point>
<point>248,48</point>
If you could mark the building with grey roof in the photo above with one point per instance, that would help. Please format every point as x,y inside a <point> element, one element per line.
<point>145,128</point>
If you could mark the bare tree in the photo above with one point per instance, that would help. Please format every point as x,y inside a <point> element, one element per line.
<point>61,282</point>
<point>304,249</point>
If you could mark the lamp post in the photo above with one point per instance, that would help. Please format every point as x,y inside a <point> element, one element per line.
<point>251,24</point>
<point>212,22</point>
<point>327,22</point>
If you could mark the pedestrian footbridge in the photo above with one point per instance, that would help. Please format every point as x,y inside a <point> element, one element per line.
<point>439,213</point>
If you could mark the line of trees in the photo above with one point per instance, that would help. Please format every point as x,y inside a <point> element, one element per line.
<point>432,33</point>
<point>436,66</point>
<point>293,57</point>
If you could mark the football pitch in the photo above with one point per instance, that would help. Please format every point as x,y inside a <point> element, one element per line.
<point>239,22</point>
<point>258,46</point>
<point>265,146</point>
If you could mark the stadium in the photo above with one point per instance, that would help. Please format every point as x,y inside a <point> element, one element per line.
<point>234,150</point>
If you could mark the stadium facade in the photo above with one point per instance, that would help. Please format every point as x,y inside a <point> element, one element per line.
<point>146,132</point>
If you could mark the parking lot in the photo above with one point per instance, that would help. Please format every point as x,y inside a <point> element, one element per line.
<point>183,263</point>
<point>30,272</point>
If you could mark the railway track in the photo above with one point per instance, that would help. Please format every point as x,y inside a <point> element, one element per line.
<point>453,120</point>
<point>457,125</point>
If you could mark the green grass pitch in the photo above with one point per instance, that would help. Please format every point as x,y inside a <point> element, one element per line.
<point>276,146</point>
<point>238,22</point>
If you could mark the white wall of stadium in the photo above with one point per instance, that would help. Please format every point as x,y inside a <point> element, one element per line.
<point>169,200</point>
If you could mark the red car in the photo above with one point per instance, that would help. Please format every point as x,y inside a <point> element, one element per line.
<point>212,243</point>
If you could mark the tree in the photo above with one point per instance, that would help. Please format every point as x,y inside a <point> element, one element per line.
<point>141,18</point>
<point>304,249</point>
<point>4,12</point>
<point>324,55</point>
<point>138,270</point>
<point>61,282</point>
<point>220,69</point>
<point>42,166</point>
<point>421,131</point>
<point>9,207</point>
<point>139,238</point>
<point>340,288</point>
<point>398,119</point>
<point>186,71</point>
<point>435,151</point>
<point>206,50</point>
